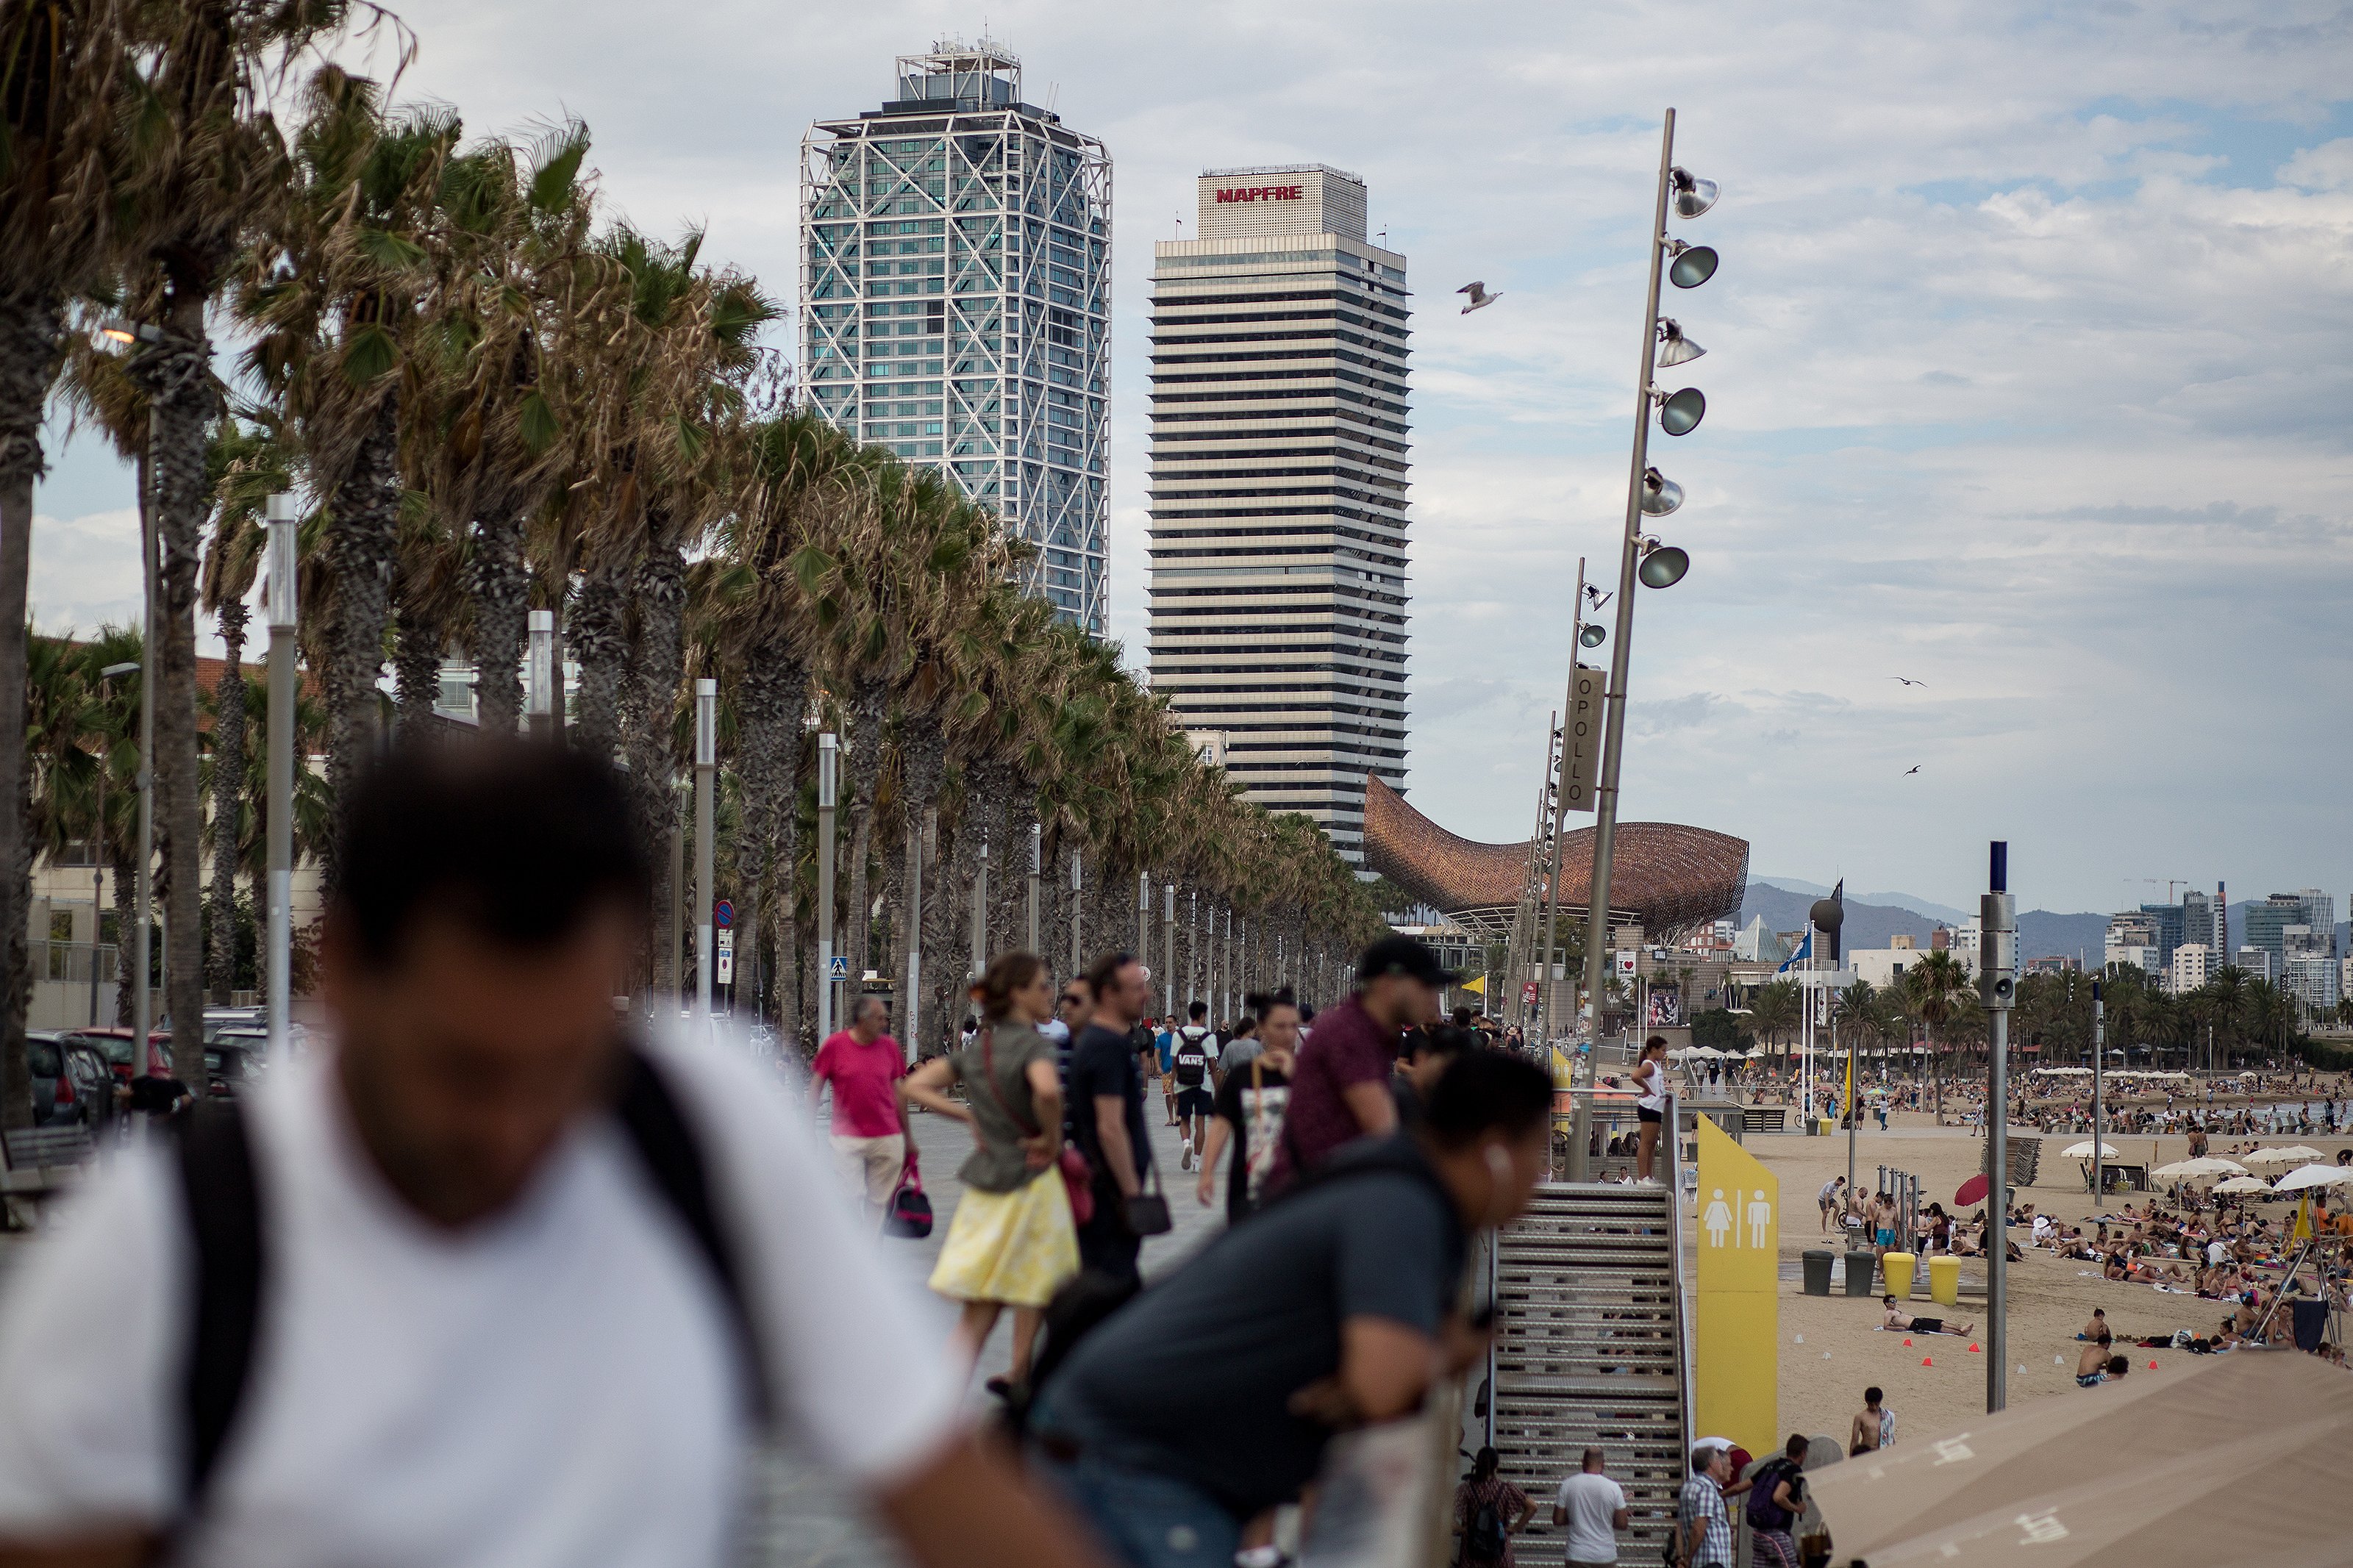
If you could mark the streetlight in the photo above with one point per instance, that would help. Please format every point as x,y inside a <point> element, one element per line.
<point>98,840</point>
<point>828,792</point>
<point>1649,493</point>
<point>538,673</point>
<point>706,768</point>
<point>280,605</point>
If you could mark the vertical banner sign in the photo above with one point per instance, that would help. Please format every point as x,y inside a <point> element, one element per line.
<point>1580,740</point>
<point>1736,1340</point>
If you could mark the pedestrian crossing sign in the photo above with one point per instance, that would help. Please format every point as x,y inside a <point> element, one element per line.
<point>838,967</point>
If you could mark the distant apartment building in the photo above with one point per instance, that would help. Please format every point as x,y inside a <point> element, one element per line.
<point>2197,922</point>
<point>2190,969</point>
<point>1278,492</point>
<point>2313,981</point>
<point>2260,962</point>
<point>955,302</point>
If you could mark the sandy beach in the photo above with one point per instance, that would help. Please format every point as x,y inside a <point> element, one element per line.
<point>1832,1348</point>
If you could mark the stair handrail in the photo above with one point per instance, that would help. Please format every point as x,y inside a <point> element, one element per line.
<point>1674,1140</point>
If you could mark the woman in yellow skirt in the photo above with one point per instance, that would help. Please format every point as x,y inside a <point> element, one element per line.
<point>1011,1243</point>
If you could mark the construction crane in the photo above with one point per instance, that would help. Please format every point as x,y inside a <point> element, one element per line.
<point>2171,883</point>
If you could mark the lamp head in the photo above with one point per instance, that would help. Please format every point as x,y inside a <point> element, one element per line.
<point>1692,195</point>
<point>1660,495</point>
<point>1673,347</point>
<point>1663,566</point>
<point>1593,636</point>
<point>1692,265</point>
<point>1680,412</point>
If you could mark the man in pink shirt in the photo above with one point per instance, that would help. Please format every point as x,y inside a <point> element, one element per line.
<point>1340,1087</point>
<point>871,1144</point>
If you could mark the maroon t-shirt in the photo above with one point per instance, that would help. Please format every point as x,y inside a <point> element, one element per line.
<point>1346,1047</point>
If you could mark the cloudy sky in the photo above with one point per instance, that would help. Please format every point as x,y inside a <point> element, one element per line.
<point>2028,378</point>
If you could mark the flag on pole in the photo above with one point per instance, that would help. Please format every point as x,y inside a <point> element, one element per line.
<point>1477,987</point>
<point>1805,951</point>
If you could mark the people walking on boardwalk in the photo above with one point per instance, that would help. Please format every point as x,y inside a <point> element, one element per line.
<point>1011,1243</point>
<point>1776,1501</point>
<point>1650,1104</point>
<point>1242,1044</point>
<point>1107,1113</point>
<point>1340,1089</point>
<point>488,1278</point>
<point>871,1144</point>
<point>1488,1512</point>
<point>1210,1396</point>
<point>1250,1109</point>
<point>1592,1509</point>
<point>1192,1065</point>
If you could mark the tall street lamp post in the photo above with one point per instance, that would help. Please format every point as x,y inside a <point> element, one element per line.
<point>829,791</point>
<point>105,678</point>
<point>538,673</point>
<point>1643,559</point>
<point>1998,987</point>
<point>281,607</point>
<point>706,768</point>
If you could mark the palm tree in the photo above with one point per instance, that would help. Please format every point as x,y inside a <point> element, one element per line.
<point>1774,1011</point>
<point>247,466</point>
<point>62,86</point>
<point>1940,989</point>
<point>334,291</point>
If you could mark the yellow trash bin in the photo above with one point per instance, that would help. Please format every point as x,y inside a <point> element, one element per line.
<point>1895,1268</point>
<point>1945,1280</point>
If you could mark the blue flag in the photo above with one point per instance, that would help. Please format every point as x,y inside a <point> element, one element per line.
<point>1805,951</point>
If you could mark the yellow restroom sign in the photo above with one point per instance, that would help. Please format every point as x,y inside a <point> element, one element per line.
<point>1737,1225</point>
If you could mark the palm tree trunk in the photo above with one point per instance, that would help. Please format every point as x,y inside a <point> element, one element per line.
<point>30,323</point>
<point>659,662</point>
<point>502,587</point>
<point>764,708</point>
<point>416,671</point>
<point>181,392</point>
<point>228,800</point>
<point>600,643</point>
<point>363,545</point>
<point>865,713</point>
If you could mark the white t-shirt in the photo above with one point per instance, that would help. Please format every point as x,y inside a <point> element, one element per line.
<point>1592,1502</point>
<point>556,1385</point>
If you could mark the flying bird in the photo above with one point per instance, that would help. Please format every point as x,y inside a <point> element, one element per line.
<point>1907,680</point>
<point>1910,771</point>
<point>1480,298</point>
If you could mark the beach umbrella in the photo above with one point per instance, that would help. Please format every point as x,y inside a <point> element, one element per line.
<point>2084,1151</point>
<point>2294,1154</point>
<point>1973,1190</point>
<point>2204,1165</point>
<point>2225,1460</point>
<point>2242,1184</point>
<point>2315,1176</point>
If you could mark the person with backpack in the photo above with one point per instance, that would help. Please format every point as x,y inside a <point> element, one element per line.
<point>1193,1068</point>
<point>1209,1398</point>
<point>1488,1512</point>
<point>1776,1501</point>
<point>1250,1109</point>
<point>492,1278</point>
<point>1012,1242</point>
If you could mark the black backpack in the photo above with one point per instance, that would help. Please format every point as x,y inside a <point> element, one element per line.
<point>1487,1540</point>
<point>1192,1061</point>
<point>232,1262</point>
<point>1764,1513</point>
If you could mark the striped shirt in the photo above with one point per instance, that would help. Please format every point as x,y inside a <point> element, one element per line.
<point>1702,1499</point>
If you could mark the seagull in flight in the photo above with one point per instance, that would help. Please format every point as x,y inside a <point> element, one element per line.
<point>1910,771</point>
<point>1907,680</point>
<point>1480,298</point>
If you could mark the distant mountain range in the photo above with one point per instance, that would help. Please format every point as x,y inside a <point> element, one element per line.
<point>1870,920</point>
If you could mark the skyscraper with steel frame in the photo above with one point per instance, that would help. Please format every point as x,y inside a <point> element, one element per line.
<point>956,301</point>
<point>1279,475</point>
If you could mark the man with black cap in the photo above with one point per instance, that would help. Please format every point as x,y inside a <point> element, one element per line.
<point>1340,1090</point>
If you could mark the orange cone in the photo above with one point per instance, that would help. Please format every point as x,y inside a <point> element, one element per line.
<point>2152,1366</point>
<point>1907,1344</point>
<point>1927,1361</point>
<point>1973,1350</point>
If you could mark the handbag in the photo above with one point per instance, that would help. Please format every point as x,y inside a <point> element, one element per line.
<point>910,1211</point>
<point>1078,1181</point>
<point>1147,1211</point>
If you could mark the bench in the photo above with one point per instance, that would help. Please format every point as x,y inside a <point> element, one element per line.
<point>1764,1118</point>
<point>41,1163</point>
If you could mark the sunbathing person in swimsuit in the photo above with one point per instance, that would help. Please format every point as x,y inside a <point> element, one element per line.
<point>1905,1322</point>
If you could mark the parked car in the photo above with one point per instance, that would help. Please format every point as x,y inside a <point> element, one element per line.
<point>114,1044</point>
<point>233,1062</point>
<point>219,1021</point>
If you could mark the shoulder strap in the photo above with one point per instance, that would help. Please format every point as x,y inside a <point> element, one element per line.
<point>658,1130</point>
<point>224,1214</point>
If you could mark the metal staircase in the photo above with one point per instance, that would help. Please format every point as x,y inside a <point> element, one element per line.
<point>1590,1350</point>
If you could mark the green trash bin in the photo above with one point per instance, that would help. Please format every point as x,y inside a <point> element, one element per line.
<point>1817,1272</point>
<point>1862,1272</point>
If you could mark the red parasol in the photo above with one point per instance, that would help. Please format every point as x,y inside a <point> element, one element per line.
<point>1973,1190</point>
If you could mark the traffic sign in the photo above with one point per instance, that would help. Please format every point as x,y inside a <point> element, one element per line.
<point>840,968</point>
<point>722,914</point>
<point>726,967</point>
<point>726,941</point>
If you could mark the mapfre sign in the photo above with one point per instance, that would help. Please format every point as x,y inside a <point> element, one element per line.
<point>1263,194</point>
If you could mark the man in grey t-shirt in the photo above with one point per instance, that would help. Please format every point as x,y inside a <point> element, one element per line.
<point>1592,1507</point>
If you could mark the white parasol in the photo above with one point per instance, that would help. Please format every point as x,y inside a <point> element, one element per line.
<point>2084,1151</point>
<point>2242,1184</point>
<point>2204,1165</point>
<point>2293,1154</point>
<point>2313,1177</point>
